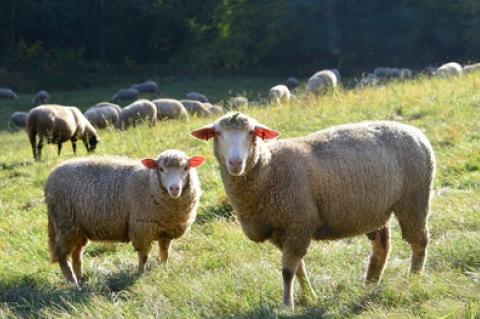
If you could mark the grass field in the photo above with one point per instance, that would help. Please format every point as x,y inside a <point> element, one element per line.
<point>215,271</point>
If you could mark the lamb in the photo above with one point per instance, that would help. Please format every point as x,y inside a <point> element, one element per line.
<point>321,82</point>
<point>138,111</point>
<point>125,94</point>
<point>17,121</point>
<point>471,68</point>
<point>449,69</point>
<point>102,117</point>
<point>41,97</point>
<point>119,200</point>
<point>106,104</point>
<point>170,109</point>
<point>146,87</point>
<point>7,94</point>
<point>59,124</point>
<point>335,183</point>
<point>279,94</point>
<point>292,83</point>
<point>239,102</point>
<point>196,108</point>
<point>196,97</point>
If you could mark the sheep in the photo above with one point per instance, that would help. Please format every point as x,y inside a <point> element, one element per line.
<point>102,117</point>
<point>125,94</point>
<point>321,82</point>
<point>214,109</point>
<point>335,183</point>
<point>196,108</point>
<point>17,121</point>
<point>239,102</point>
<point>170,109</point>
<point>7,94</point>
<point>120,200</point>
<point>196,97</point>
<point>471,68</point>
<point>405,73</point>
<point>59,124</point>
<point>292,83</point>
<point>106,104</point>
<point>449,69</point>
<point>369,80</point>
<point>146,87</point>
<point>41,97</point>
<point>138,111</point>
<point>337,74</point>
<point>279,94</point>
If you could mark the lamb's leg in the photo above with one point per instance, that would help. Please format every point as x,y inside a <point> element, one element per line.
<point>380,249</point>
<point>59,146</point>
<point>164,245</point>
<point>304,282</point>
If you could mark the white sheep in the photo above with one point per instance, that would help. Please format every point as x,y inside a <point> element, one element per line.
<point>449,69</point>
<point>102,117</point>
<point>196,108</point>
<point>322,82</point>
<point>279,94</point>
<point>214,109</point>
<point>106,104</point>
<point>125,94</point>
<point>239,102</point>
<point>471,68</point>
<point>343,181</point>
<point>120,200</point>
<point>136,112</point>
<point>170,109</point>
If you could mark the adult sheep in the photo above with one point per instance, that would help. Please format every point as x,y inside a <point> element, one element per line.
<point>292,83</point>
<point>196,108</point>
<point>125,94</point>
<point>139,111</point>
<point>449,69</point>
<point>102,117</point>
<point>17,121</point>
<point>7,94</point>
<point>59,124</point>
<point>119,200</point>
<point>41,97</point>
<point>322,82</point>
<point>279,94</point>
<point>170,109</point>
<point>106,104</point>
<point>471,68</point>
<point>196,97</point>
<point>339,182</point>
<point>146,87</point>
<point>214,109</point>
<point>239,102</point>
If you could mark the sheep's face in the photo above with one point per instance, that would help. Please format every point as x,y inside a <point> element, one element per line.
<point>91,143</point>
<point>173,170</point>
<point>235,134</point>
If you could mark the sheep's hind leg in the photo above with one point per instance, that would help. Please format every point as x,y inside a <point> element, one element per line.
<point>77,258</point>
<point>302,277</point>
<point>59,146</point>
<point>164,249</point>
<point>67,269</point>
<point>380,249</point>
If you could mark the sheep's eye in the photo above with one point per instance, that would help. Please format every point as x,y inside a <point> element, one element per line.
<point>218,134</point>
<point>161,169</point>
<point>251,132</point>
<point>186,168</point>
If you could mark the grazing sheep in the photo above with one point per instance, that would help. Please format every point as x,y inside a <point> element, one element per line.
<point>17,121</point>
<point>239,102</point>
<point>406,73</point>
<point>41,97</point>
<point>279,94</point>
<point>369,80</point>
<point>292,83</point>
<point>214,109</point>
<point>449,69</point>
<point>7,94</point>
<point>322,82</point>
<point>471,68</point>
<point>125,94</point>
<point>119,200</point>
<point>196,108</point>
<point>170,109</point>
<point>106,104</point>
<point>59,124</point>
<point>337,74</point>
<point>102,117</point>
<point>139,111</point>
<point>339,182</point>
<point>196,97</point>
<point>146,87</point>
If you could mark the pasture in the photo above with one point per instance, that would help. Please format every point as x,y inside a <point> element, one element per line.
<point>215,271</point>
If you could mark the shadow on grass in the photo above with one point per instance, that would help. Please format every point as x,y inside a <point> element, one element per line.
<point>28,296</point>
<point>222,211</point>
<point>4,166</point>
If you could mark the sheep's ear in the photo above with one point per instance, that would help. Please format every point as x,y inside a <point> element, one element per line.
<point>150,163</point>
<point>204,133</point>
<point>265,133</point>
<point>196,161</point>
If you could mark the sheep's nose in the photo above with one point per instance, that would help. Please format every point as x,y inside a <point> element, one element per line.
<point>235,162</point>
<point>174,189</point>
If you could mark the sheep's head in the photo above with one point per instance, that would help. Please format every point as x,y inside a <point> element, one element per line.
<point>173,168</point>
<point>91,142</point>
<point>235,136</point>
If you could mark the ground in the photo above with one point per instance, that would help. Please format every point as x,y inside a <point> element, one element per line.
<point>215,271</point>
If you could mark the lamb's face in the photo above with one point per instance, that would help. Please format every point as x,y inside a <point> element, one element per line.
<point>235,134</point>
<point>173,167</point>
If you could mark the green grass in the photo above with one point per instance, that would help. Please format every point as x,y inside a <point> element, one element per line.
<point>215,271</point>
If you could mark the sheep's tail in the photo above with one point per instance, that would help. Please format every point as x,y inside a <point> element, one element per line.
<point>51,240</point>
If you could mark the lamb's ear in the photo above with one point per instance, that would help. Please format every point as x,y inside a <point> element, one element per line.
<point>265,133</point>
<point>196,161</point>
<point>204,133</point>
<point>150,163</point>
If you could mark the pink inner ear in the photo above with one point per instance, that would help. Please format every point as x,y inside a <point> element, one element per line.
<point>196,161</point>
<point>204,133</point>
<point>265,133</point>
<point>150,163</point>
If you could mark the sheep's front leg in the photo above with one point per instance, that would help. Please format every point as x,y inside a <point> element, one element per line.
<point>164,249</point>
<point>302,277</point>
<point>142,248</point>
<point>293,251</point>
